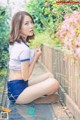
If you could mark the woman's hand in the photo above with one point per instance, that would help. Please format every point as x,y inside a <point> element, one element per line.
<point>37,53</point>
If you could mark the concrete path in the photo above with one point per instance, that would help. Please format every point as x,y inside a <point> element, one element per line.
<point>57,111</point>
<point>61,111</point>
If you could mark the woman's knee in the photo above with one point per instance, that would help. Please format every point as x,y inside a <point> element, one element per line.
<point>54,83</point>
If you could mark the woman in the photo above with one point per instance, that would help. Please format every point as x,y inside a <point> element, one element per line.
<point>21,90</point>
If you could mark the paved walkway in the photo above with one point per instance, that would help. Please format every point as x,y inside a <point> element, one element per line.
<point>61,111</point>
<point>57,111</point>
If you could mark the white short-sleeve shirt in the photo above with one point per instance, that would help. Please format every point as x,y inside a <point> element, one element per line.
<point>19,52</point>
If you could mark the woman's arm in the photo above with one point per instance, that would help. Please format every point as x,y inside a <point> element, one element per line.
<point>27,68</point>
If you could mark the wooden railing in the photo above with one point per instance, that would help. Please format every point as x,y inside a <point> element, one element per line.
<point>66,72</point>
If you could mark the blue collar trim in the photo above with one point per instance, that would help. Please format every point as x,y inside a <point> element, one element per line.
<point>25,43</point>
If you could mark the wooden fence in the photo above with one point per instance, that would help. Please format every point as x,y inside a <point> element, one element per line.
<point>66,72</point>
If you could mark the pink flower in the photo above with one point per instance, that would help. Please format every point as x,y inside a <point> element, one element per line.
<point>69,34</point>
<point>78,43</point>
<point>65,58</point>
<point>66,16</point>
<point>78,53</point>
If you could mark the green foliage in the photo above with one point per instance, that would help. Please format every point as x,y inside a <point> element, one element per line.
<point>48,15</point>
<point>39,40</point>
<point>4,30</point>
<point>3,75</point>
<point>3,72</point>
<point>42,38</point>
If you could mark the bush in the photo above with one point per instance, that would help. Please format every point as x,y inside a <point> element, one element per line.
<point>47,15</point>
<point>42,38</point>
<point>69,35</point>
<point>4,30</point>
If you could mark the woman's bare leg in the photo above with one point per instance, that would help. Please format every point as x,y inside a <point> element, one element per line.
<point>40,78</point>
<point>33,92</point>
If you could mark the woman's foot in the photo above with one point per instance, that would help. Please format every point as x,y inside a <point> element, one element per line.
<point>47,99</point>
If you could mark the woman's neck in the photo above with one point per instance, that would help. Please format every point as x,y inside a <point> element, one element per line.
<point>23,37</point>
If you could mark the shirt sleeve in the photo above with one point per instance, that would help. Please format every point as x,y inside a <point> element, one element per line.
<point>25,55</point>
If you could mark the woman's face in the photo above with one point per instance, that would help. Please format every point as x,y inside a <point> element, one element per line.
<point>27,27</point>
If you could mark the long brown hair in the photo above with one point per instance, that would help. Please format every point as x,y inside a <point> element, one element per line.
<point>16,25</point>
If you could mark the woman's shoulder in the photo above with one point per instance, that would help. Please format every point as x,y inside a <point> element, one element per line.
<point>21,46</point>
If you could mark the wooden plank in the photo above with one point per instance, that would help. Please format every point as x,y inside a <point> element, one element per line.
<point>77,77</point>
<point>67,73</point>
<point>70,104</point>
